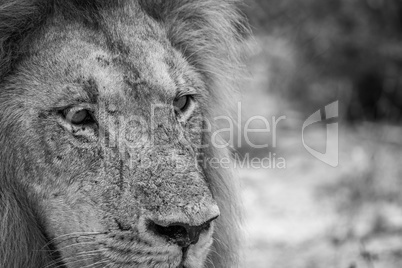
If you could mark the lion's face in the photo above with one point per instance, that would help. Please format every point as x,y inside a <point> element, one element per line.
<point>113,126</point>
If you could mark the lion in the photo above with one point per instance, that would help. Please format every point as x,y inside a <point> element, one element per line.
<point>106,129</point>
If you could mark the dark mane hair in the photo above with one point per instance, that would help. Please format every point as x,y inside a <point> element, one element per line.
<point>20,20</point>
<point>209,33</point>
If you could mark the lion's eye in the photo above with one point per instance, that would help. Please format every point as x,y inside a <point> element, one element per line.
<point>181,104</point>
<point>79,117</point>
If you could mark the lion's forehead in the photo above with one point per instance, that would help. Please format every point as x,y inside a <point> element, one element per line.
<point>123,61</point>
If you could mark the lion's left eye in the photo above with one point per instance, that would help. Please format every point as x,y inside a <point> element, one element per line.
<point>78,116</point>
<point>181,104</point>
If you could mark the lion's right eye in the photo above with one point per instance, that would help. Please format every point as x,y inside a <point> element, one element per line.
<point>78,116</point>
<point>181,103</point>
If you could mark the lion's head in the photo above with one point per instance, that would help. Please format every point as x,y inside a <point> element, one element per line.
<point>105,112</point>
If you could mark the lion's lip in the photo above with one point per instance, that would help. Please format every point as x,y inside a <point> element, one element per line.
<point>184,257</point>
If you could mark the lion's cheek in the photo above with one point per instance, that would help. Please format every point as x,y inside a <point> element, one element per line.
<point>65,219</point>
<point>72,229</point>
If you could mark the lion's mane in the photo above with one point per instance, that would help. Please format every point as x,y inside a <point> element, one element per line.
<point>208,32</point>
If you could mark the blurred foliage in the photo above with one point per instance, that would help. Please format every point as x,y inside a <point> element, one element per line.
<point>345,49</point>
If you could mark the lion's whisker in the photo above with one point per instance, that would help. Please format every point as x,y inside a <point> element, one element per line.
<point>83,256</point>
<point>66,237</point>
<point>94,264</point>
<point>68,246</point>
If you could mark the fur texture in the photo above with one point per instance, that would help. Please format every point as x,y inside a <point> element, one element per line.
<point>208,35</point>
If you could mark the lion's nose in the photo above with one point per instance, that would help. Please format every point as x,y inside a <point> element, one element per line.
<point>181,234</point>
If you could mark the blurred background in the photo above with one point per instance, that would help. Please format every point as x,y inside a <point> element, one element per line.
<point>300,211</point>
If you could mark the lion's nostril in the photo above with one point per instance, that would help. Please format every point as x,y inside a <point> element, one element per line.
<point>181,234</point>
<point>176,233</point>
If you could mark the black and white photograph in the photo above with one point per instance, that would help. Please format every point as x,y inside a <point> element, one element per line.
<point>200,134</point>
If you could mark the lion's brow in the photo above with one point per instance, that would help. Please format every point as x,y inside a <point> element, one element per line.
<point>90,87</point>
